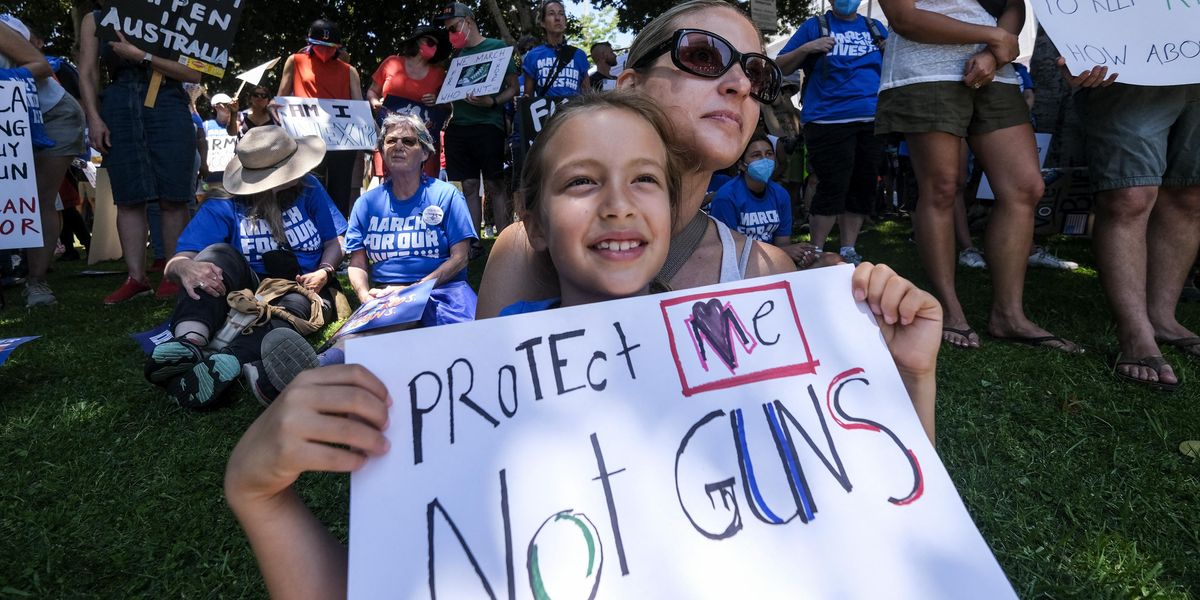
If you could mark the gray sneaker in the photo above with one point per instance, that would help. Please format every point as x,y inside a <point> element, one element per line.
<point>37,293</point>
<point>285,354</point>
<point>972,258</point>
<point>1040,257</point>
<point>851,256</point>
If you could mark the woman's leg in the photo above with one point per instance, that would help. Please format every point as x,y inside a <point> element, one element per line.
<point>198,320</point>
<point>936,160</point>
<point>50,172</point>
<point>1009,157</point>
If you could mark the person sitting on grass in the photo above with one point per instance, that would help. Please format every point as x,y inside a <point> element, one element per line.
<point>605,226</point>
<point>278,225</point>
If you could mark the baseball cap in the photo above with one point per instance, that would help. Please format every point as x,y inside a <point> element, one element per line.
<point>453,10</point>
<point>220,99</point>
<point>324,30</point>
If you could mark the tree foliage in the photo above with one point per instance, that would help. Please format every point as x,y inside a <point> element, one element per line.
<point>371,29</point>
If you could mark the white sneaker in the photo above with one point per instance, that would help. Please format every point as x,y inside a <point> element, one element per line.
<point>972,258</point>
<point>1042,258</point>
<point>37,293</point>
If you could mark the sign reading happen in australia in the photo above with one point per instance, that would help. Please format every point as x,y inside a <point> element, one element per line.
<point>195,33</point>
<point>746,440</point>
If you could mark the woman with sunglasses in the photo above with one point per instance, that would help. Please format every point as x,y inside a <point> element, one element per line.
<point>956,56</point>
<point>259,113</point>
<point>683,60</point>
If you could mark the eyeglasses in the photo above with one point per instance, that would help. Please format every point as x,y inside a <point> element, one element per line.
<point>409,141</point>
<point>260,95</point>
<point>707,54</point>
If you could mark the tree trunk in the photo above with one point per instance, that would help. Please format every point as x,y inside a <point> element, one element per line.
<point>501,26</point>
<point>524,17</point>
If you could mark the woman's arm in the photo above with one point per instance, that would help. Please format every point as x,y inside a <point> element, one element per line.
<point>1013,17</point>
<point>373,96</point>
<point>934,28</point>
<point>512,274</point>
<point>89,83</point>
<point>285,80</point>
<point>360,280</point>
<point>452,265</point>
<point>22,54</point>
<point>171,69</point>
<point>355,85</point>
<point>331,256</point>
<point>328,419</point>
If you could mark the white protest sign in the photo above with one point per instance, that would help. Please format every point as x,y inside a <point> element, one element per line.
<point>1043,147</point>
<point>220,151</point>
<point>747,440</point>
<point>255,75</point>
<point>343,124</point>
<point>20,215</point>
<point>478,74</point>
<point>1147,43</point>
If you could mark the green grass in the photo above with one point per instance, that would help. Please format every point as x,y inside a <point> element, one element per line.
<point>110,491</point>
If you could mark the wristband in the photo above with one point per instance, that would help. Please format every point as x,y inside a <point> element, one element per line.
<point>146,60</point>
<point>328,268</point>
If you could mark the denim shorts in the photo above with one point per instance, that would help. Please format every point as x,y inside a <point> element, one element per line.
<point>950,107</point>
<point>64,125</point>
<point>153,149</point>
<point>1142,136</point>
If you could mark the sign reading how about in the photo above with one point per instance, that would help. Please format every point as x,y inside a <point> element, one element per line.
<point>20,216</point>
<point>477,74</point>
<point>220,151</point>
<point>195,33</point>
<point>746,440</point>
<point>343,124</point>
<point>1147,43</point>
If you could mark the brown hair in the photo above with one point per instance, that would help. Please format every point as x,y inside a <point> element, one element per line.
<point>663,26</point>
<point>541,10</point>
<point>537,163</point>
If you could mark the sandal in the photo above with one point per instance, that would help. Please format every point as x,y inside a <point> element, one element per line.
<point>1186,345</point>
<point>964,333</point>
<point>1052,342</point>
<point>1154,362</point>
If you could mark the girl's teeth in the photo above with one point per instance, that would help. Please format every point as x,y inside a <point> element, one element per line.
<point>620,246</point>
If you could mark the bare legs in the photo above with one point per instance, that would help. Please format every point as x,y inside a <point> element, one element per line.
<point>50,173</point>
<point>132,229</point>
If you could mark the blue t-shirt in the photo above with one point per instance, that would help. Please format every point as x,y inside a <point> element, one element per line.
<point>761,218</point>
<point>529,306</point>
<point>717,180</point>
<point>1026,80</point>
<point>307,225</point>
<point>212,127</point>
<point>408,239</point>
<point>540,62</point>
<point>844,84</point>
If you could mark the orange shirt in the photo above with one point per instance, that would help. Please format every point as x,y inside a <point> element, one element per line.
<point>393,80</point>
<point>315,78</point>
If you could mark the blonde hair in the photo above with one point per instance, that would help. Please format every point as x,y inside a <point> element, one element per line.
<point>269,205</point>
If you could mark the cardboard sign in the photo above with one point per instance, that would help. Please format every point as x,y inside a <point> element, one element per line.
<point>20,215</point>
<point>1043,146</point>
<point>476,74</point>
<point>396,308</point>
<point>1147,43</point>
<point>195,33</point>
<point>764,15</point>
<point>535,112</point>
<point>434,118</point>
<point>343,124</point>
<point>7,345</point>
<point>220,151</point>
<point>746,440</point>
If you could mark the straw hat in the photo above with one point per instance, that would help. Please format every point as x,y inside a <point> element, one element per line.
<point>267,157</point>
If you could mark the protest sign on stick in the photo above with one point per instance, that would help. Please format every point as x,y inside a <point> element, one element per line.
<point>721,442</point>
<point>220,151</point>
<point>476,74</point>
<point>197,35</point>
<point>1146,43</point>
<point>20,214</point>
<point>255,75</point>
<point>343,124</point>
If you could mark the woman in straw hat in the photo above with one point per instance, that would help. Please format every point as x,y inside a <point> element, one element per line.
<point>278,224</point>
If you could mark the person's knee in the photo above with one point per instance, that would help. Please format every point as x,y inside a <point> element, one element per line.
<point>297,304</point>
<point>219,254</point>
<point>1126,205</point>
<point>938,191</point>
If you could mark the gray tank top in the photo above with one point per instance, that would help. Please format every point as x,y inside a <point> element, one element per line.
<point>733,266</point>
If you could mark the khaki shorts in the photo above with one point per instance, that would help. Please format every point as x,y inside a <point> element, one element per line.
<point>950,107</point>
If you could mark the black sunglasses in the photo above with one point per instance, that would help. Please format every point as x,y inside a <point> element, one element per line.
<point>260,95</point>
<point>707,54</point>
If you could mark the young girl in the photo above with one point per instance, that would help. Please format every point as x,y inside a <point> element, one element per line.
<point>599,208</point>
<point>604,225</point>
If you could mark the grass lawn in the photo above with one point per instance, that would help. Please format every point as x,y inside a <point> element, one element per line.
<point>1075,479</point>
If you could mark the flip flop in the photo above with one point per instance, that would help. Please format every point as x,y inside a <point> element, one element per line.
<point>1052,342</point>
<point>965,333</point>
<point>1186,345</point>
<point>1154,362</point>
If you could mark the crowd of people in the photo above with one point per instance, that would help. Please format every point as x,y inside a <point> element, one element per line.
<point>688,194</point>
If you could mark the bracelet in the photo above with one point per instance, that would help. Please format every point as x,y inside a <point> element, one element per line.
<point>328,268</point>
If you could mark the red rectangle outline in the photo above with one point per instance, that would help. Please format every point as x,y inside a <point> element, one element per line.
<point>803,368</point>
